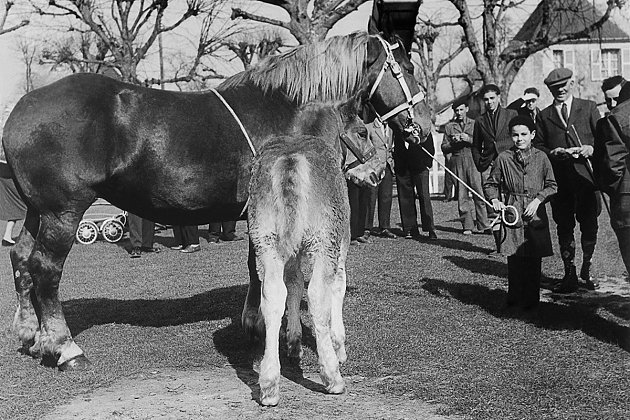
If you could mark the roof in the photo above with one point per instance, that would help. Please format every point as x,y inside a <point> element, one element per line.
<point>574,14</point>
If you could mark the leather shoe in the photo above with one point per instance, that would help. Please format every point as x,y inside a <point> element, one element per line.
<point>6,242</point>
<point>135,252</point>
<point>229,237</point>
<point>149,249</point>
<point>191,248</point>
<point>432,235</point>
<point>364,240</point>
<point>569,282</point>
<point>589,284</point>
<point>177,247</point>
<point>386,233</point>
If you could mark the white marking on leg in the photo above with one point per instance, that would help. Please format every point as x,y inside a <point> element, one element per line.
<point>273,300</point>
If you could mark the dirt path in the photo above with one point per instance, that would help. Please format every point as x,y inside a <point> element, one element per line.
<point>226,393</point>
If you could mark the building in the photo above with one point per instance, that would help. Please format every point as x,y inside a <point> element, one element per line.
<point>602,54</point>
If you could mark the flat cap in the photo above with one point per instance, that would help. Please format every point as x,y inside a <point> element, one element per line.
<point>558,76</point>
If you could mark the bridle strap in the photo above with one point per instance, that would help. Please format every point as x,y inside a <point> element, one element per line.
<point>238,121</point>
<point>390,62</point>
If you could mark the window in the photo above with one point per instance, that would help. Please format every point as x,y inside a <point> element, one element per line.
<point>610,63</point>
<point>558,58</point>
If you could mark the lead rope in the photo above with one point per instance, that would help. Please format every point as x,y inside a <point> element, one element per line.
<point>249,140</point>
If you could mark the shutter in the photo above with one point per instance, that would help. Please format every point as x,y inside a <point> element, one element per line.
<point>596,65</point>
<point>569,61</point>
<point>625,62</point>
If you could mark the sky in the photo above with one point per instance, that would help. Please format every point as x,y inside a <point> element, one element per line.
<point>12,68</point>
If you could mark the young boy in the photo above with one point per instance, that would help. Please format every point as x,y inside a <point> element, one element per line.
<point>525,177</point>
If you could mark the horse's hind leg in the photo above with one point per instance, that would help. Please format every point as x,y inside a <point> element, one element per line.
<point>274,295</point>
<point>251,318</point>
<point>45,265</point>
<point>25,322</point>
<point>320,306</point>
<point>338,288</point>
<point>294,280</point>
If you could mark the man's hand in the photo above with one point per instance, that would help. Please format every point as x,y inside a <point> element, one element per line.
<point>531,208</point>
<point>560,153</point>
<point>465,137</point>
<point>586,151</point>
<point>497,205</point>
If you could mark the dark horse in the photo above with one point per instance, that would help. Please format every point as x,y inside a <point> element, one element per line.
<point>177,158</point>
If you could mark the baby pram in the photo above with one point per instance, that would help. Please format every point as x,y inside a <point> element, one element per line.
<point>102,218</point>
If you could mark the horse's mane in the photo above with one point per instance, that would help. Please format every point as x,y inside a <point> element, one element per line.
<point>328,70</point>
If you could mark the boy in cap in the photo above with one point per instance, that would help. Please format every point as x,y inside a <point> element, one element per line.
<point>458,134</point>
<point>565,131</point>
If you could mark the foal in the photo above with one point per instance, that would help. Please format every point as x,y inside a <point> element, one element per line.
<point>299,214</point>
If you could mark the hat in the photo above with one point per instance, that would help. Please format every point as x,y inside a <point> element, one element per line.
<point>558,76</point>
<point>529,96</point>
<point>462,100</point>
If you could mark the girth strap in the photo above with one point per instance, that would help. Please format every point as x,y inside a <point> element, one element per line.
<point>237,119</point>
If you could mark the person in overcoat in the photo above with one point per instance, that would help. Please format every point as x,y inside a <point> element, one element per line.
<point>458,135</point>
<point>611,162</point>
<point>381,136</point>
<point>565,131</point>
<point>412,174</point>
<point>525,177</point>
<point>491,136</point>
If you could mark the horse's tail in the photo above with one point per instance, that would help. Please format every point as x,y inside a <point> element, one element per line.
<point>291,184</point>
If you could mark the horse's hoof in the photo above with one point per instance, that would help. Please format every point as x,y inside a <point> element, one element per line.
<point>338,387</point>
<point>270,400</point>
<point>79,362</point>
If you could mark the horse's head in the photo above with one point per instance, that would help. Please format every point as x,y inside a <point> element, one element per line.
<point>394,94</point>
<point>364,164</point>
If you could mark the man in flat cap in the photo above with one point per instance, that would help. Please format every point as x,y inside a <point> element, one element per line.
<point>458,134</point>
<point>565,131</point>
<point>491,136</point>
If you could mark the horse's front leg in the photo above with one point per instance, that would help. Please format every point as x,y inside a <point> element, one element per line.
<point>45,264</point>
<point>274,295</point>
<point>25,322</point>
<point>251,319</point>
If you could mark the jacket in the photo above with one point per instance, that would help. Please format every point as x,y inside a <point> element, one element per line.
<point>488,143</point>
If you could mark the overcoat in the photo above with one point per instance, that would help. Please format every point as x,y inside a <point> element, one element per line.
<point>521,177</point>
<point>611,162</point>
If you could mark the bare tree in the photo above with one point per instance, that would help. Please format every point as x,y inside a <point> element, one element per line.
<point>29,53</point>
<point>253,46</point>
<point>304,26</point>
<point>4,14</point>
<point>497,59</point>
<point>120,33</point>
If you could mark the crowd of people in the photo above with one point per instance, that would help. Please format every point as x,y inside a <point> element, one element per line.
<point>520,156</point>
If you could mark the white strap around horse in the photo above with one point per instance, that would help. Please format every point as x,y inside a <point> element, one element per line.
<point>238,121</point>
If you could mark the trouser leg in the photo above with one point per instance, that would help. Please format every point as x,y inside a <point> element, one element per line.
<point>406,201</point>
<point>385,200</point>
<point>514,283</point>
<point>135,230</point>
<point>190,235</point>
<point>623,236</point>
<point>531,272</point>
<point>421,181</point>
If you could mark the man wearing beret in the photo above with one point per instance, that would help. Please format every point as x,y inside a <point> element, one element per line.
<point>458,135</point>
<point>611,162</point>
<point>565,131</point>
<point>491,136</point>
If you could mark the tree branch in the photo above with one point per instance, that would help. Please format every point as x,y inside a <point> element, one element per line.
<point>240,13</point>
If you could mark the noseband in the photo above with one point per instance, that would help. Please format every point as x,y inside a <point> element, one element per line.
<point>390,62</point>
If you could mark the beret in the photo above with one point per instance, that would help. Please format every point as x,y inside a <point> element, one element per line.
<point>558,76</point>
<point>462,100</point>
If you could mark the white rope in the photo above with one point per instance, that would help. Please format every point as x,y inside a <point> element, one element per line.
<point>238,121</point>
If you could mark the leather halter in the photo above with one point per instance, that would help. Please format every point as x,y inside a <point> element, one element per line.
<point>411,100</point>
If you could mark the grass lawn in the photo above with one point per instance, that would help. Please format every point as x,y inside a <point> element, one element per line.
<point>426,318</point>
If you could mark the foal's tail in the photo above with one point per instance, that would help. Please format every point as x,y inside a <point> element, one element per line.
<point>291,184</point>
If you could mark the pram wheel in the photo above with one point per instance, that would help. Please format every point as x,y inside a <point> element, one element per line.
<point>112,230</point>
<point>87,232</point>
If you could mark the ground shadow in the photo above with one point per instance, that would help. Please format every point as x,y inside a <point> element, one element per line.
<point>576,315</point>
<point>486,266</point>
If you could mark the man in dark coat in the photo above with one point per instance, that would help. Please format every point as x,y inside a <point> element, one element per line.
<point>412,172</point>
<point>527,104</point>
<point>612,88</point>
<point>491,136</point>
<point>565,131</point>
<point>611,162</point>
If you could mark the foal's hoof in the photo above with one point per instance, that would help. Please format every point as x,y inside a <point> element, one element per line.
<point>79,362</point>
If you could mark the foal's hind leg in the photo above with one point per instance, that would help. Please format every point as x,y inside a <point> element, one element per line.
<point>338,288</point>
<point>25,322</point>
<point>45,264</point>
<point>294,280</point>
<point>274,295</point>
<point>319,304</point>
<point>251,318</point>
